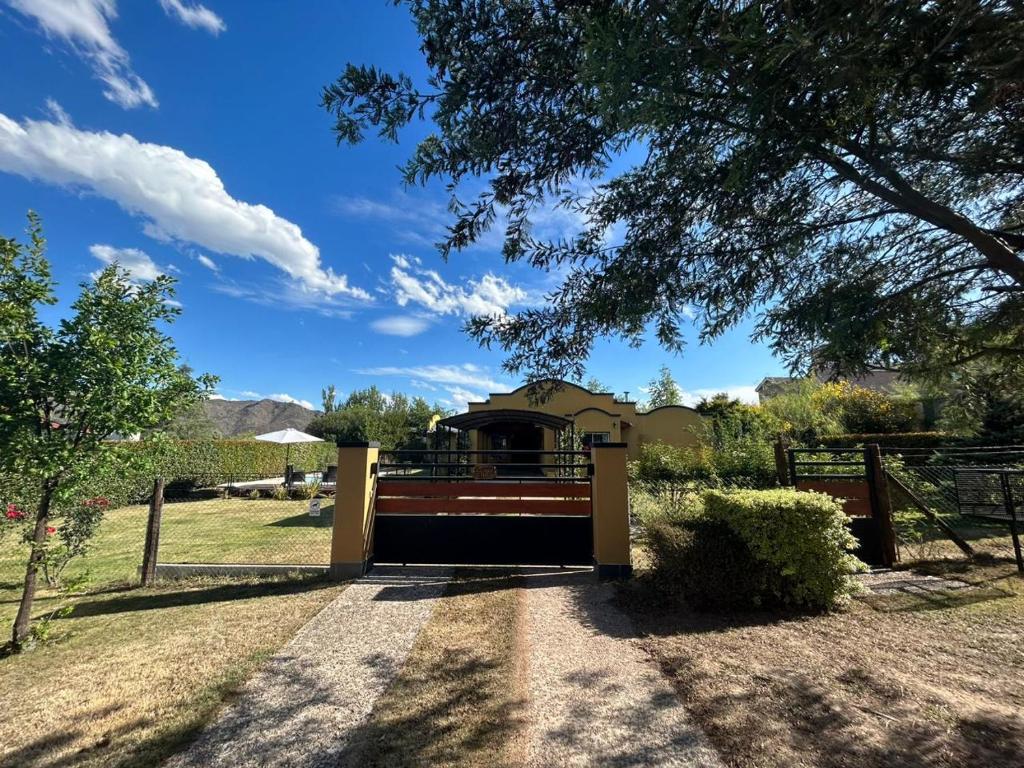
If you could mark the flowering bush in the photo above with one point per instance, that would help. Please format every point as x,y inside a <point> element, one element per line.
<point>79,524</point>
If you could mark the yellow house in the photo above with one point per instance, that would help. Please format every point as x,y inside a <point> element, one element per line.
<point>509,421</point>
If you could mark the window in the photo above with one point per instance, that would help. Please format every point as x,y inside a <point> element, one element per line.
<point>589,438</point>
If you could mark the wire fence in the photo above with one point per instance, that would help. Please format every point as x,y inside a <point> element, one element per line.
<point>931,475</point>
<point>249,520</point>
<point>245,519</point>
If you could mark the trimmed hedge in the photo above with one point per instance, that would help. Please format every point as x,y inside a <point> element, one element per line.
<point>802,536</point>
<point>188,464</point>
<point>726,550</point>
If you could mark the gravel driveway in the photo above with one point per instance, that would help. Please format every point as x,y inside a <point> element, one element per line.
<point>299,710</point>
<point>590,696</point>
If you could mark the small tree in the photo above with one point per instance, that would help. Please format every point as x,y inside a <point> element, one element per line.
<point>594,384</point>
<point>105,371</point>
<point>330,399</point>
<point>663,390</point>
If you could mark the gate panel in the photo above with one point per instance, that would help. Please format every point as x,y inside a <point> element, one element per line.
<point>483,540</point>
<point>475,522</point>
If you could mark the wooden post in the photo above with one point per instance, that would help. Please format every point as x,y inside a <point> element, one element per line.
<point>881,504</point>
<point>781,464</point>
<point>149,555</point>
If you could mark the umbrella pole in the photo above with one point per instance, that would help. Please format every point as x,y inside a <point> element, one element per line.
<point>287,463</point>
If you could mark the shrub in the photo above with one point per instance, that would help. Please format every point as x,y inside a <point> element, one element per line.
<point>894,440</point>
<point>802,537</point>
<point>707,564</point>
<point>749,462</point>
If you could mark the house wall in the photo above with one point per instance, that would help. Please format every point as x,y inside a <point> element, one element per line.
<point>602,412</point>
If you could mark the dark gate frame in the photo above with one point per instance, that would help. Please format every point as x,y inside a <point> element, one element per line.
<point>432,508</point>
<point>862,486</point>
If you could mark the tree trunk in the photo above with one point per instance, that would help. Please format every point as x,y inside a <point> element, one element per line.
<point>28,595</point>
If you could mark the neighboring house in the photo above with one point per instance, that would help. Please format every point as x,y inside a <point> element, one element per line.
<point>876,380</point>
<point>509,421</point>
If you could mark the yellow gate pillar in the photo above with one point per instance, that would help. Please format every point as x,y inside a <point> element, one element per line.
<point>609,495</point>
<point>352,537</point>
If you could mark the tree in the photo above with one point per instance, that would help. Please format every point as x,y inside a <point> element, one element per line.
<point>663,390</point>
<point>393,420</point>
<point>850,172</point>
<point>105,370</point>
<point>594,384</point>
<point>330,399</point>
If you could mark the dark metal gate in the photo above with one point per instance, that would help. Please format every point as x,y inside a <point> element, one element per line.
<point>483,507</point>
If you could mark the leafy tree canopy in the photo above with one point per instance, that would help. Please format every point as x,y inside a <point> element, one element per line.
<point>395,421</point>
<point>848,170</point>
<point>107,370</point>
<point>663,390</point>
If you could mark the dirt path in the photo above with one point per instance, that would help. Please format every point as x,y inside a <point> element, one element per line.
<point>594,699</point>
<point>300,709</point>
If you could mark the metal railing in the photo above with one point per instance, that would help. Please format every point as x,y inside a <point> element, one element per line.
<point>507,464</point>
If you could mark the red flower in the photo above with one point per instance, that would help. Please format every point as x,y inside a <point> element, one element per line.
<point>50,530</point>
<point>102,501</point>
<point>13,513</point>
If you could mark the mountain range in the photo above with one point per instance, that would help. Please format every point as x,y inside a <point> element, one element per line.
<point>254,417</point>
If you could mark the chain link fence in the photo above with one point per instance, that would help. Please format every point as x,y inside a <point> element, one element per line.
<point>930,474</point>
<point>249,520</point>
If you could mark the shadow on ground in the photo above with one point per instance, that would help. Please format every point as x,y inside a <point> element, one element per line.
<point>144,599</point>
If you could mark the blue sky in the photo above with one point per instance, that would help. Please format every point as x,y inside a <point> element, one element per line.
<point>186,138</point>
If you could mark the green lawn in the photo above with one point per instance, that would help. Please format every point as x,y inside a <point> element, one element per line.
<point>211,531</point>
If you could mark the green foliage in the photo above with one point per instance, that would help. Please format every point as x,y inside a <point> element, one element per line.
<point>329,398</point>
<point>798,414</point>
<point>663,390</point>
<point>747,461</point>
<point>849,174</point>
<point>864,410</point>
<point>894,440</point>
<point>747,549</point>
<point>802,536</point>
<point>107,369</point>
<point>395,421</point>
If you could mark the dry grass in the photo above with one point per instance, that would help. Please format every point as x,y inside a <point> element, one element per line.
<point>907,680</point>
<point>133,673</point>
<point>453,702</point>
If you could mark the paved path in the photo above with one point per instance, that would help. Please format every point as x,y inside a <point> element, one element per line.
<point>299,709</point>
<point>594,699</point>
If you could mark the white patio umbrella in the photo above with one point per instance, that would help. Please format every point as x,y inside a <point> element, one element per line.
<point>287,437</point>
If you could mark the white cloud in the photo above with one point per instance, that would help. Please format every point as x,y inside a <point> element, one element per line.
<point>207,262</point>
<point>283,397</point>
<point>460,398</point>
<point>84,26</point>
<point>140,267</point>
<point>400,325</point>
<point>423,220</point>
<point>465,375</point>
<point>490,295</point>
<point>180,197</point>
<point>743,392</point>
<point>194,15</point>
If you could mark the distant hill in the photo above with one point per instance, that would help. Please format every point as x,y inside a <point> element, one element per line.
<point>248,417</point>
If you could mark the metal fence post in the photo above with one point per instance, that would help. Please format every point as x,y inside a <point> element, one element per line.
<point>149,555</point>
